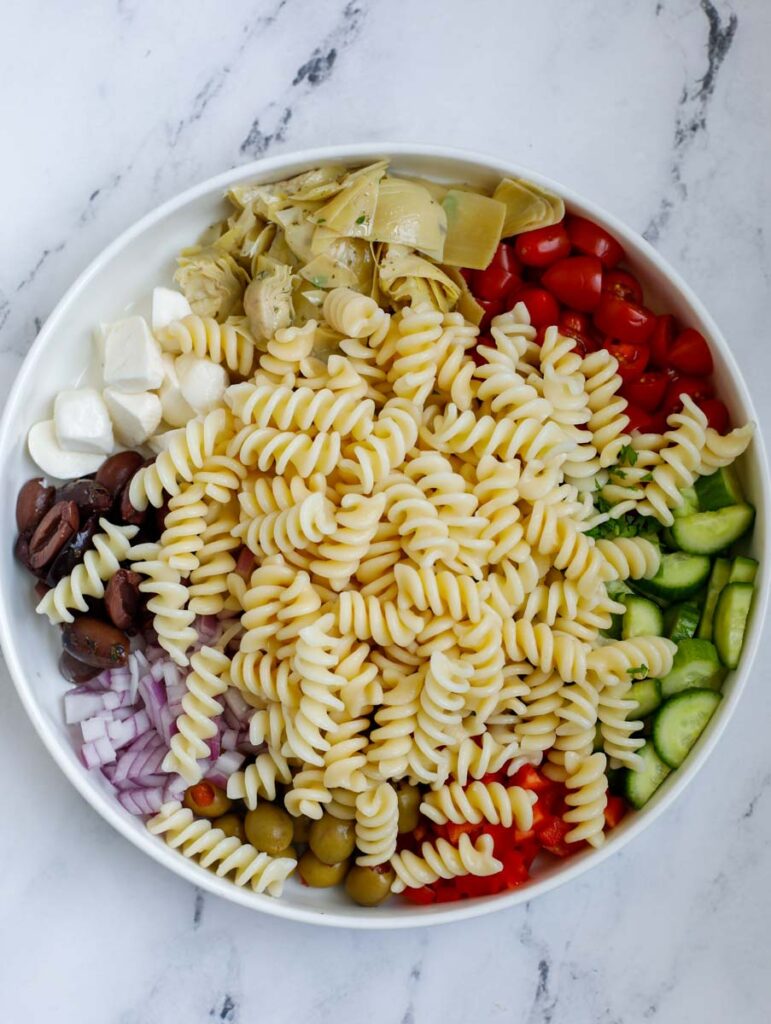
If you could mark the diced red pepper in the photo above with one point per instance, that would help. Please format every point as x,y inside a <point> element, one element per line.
<point>615,809</point>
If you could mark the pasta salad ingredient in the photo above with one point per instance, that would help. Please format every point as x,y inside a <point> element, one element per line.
<point>411,576</point>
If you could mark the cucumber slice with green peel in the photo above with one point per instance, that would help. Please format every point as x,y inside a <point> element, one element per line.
<point>731,615</point>
<point>598,741</point>
<point>647,694</point>
<point>667,539</point>
<point>721,572</point>
<point>743,570</point>
<point>682,620</point>
<point>696,666</point>
<point>689,505</point>
<point>706,533</point>
<point>617,588</point>
<point>719,489</point>
<point>641,618</point>
<point>679,576</point>
<point>679,723</point>
<point>642,783</point>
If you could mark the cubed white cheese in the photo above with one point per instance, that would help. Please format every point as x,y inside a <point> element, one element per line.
<point>201,381</point>
<point>100,337</point>
<point>132,357</point>
<point>54,460</point>
<point>134,417</point>
<point>176,410</point>
<point>82,422</point>
<point>168,305</point>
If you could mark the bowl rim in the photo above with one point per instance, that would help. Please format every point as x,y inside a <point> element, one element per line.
<point>380,918</point>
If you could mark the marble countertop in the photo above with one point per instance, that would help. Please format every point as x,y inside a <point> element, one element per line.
<point>659,111</point>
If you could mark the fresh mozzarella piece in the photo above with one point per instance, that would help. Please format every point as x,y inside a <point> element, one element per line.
<point>201,381</point>
<point>82,422</point>
<point>132,357</point>
<point>176,411</point>
<point>100,337</point>
<point>54,460</point>
<point>168,306</point>
<point>135,417</point>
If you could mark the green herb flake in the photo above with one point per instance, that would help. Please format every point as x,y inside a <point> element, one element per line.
<point>640,672</point>
<point>628,455</point>
<point>361,219</point>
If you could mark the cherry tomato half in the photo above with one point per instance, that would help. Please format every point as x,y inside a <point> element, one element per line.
<point>639,419</point>
<point>576,281</point>
<point>632,359</point>
<point>624,320</point>
<point>492,307</point>
<point>697,388</point>
<point>647,391</point>
<point>543,308</point>
<point>661,340</point>
<point>500,277</point>
<point>690,354</point>
<point>542,247</point>
<point>623,284</point>
<point>717,414</point>
<point>592,240</point>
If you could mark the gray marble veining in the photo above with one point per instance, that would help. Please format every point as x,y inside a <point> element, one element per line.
<point>659,111</point>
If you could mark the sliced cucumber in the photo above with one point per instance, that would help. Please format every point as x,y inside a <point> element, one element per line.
<point>681,621</point>
<point>641,618</point>
<point>695,666</point>
<point>647,693</point>
<point>598,741</point>
<point>731,614</point>
<point>706,533</point>
<point>680,722</point>
<point>679,576</point>
<point>743,570</point>
<point>643,783</point>
<point>617,588</point>
<point>719,489</point>
<point>719,576</point>
<point>689,505</point>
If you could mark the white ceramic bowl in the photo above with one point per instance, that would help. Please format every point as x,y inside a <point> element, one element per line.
<point>125,272</point>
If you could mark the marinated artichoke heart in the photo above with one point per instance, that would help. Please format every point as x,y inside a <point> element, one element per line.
<point>407,278</point>
<point>407,214</point>
<point>268,299</point>
<point>351,211</point>
<point>474,225</point>
<point>528,206</point>
<point>212,282</point>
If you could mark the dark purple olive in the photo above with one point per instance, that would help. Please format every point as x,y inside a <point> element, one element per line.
<point>123,599</point>
<point>246,563</point>
<point>33,502</point>
<point>95,642</point>
<point>73,552</point>
<point>160,517</point>
<point>41,589</point>
<point>75,671</point>
<point>52,533</point>
<point>90,497</point>
<point>21,551</point>
<point>115,472</point>
<point>125,510</point>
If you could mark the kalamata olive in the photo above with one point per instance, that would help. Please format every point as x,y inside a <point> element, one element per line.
<point>90,497</point>
<point>126,512</point>
<point>41,589</point>
<point>95,642</point>
<point>52,533</point>
<point>21,551</point>
<point>122,598</point>
<point>160,517</point>
<point>33,502</point>
<point>72,553</point>
<point>115,472</point>
<point>75,671</point>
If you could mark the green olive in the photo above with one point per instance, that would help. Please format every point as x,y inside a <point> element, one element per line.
<point>318,874</point>
<point>331,839</point>
<point>268,828</point>
<point>231,825</point>
<point>207,800</point>
<point>302,827</point>
<point>409,803</point>
<point>290,851</point>
<point>369,886</point>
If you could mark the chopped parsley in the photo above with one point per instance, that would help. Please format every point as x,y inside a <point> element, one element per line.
<point>361,219</point>
<point>628,455</point>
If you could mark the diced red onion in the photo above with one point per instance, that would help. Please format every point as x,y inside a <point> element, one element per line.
<point>97,753</point>
<point>79,705</point>
<point>142,801</point>
<point>235,703</point>
<point>92,728</point>
<point>175,788</point>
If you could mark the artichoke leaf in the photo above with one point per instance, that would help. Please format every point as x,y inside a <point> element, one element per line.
<point>474,225</point>
<point>211,280</point>
<point>467,305</point>
<point>268,299</point>
<point>409,279</point>
<point>351,211</point>
<point>406,214</point>
<point>527,206</point>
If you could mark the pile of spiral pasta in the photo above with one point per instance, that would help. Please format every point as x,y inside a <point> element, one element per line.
<point>421,601</point>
